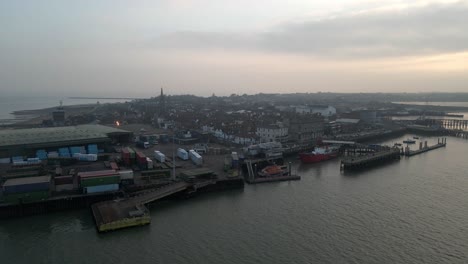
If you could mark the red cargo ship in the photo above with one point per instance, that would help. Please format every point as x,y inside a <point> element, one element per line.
<point>318,155</point>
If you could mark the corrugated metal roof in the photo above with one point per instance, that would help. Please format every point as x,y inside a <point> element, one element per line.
<point>28,180</point>
<point>28,136</point>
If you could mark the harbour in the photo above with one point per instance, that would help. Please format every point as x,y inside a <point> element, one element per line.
<point>128,179</point>
<point>412,198</point>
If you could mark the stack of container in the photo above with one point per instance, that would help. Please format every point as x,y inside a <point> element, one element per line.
<point>79,149</point>
<point>93,149</point>
<point>63,183</point>
<point>41,154</point>
<point>132,154</point>
<point>149,163</point>
<point>16,159</point>
<point>99,181</point>
<point>159,156</point>
<point>52,154</point>
<point>126,157</point>
<point>5,160</point>
<point>141,160</point>
<point>114,166</point>
<point>64,153</point>
<point>126,177</point>
<point>234,160</point>
<point>85,157</point>
<point>25,190</point>
<point>29,161</point>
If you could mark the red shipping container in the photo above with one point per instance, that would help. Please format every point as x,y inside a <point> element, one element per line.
<point>60,180</point>
<point>90,174</point>
<point>114,166</point>
<point>141,158</point>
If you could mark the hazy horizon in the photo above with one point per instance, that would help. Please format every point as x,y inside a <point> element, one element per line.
<point>131,49</point>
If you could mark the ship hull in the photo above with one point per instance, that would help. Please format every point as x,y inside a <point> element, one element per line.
<point>315,158</point>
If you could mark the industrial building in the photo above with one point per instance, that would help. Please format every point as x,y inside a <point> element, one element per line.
<point>24,142</point>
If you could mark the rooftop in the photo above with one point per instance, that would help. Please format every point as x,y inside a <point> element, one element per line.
<point>50,135</point>
<point>347,120</point>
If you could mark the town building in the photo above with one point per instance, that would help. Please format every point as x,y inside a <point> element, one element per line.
<point>305,129</point>
<point>322,110</point>
<point>272,133</point>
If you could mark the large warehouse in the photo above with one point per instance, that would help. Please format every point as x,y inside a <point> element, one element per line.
<point>24,142</point>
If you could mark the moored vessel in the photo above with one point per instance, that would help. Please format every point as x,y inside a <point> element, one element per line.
<point>409,141</point>
<point>318,154</point>
<point>274,171</point>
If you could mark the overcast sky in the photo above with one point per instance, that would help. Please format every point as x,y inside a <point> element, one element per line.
<point>132,48</point>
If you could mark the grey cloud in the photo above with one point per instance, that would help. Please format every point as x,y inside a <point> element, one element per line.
<point>424,30</point>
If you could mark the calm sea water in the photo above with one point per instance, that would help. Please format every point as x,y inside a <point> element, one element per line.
<point>462,104</point>
<point>8,104</point>
<point>411,211</point>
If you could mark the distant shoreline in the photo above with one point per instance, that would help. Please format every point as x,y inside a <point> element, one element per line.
<point>104,98</point>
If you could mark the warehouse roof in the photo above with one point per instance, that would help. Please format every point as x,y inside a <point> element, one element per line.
<point>56,135</point>
<point>27,180</point>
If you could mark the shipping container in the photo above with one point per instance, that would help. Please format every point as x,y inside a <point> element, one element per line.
<point>140,158</point>
<point>22,174</point>
<point>96,173</point>
<point>27,197</point>
<point>64,187</point>
<point>156,174</point>
<point>85,157</point>
<point>29,184</point>
<point>126,174</point>
<point>114,166</point>
<point>234,160</point>
<point>159,156</point>
<point>34,167</point>
<point>195,157</point>
<point>60,180</point>
<point>132,153</point>
<point>182,154</point>
<point>126,156</point>
<point>5,161</point>
<point>149,163</point>
<point>93,149</point>
<point>103,180</point>
<point>127,182</point>
<point>17,158</point>
<point>101,188</point>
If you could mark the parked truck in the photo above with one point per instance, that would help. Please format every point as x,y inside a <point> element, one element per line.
<point>182,154</point>
<point>143,144</point>
<point>159,156</point>
<point>195,157</point>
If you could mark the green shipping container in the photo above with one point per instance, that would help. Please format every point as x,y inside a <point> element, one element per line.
<point>29,197</point>
<point>132,153</point>
<point>94,181</point>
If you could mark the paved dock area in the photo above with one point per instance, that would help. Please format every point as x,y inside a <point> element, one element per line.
<point>419,151</point>
<point>372,159</point>
<point>117,214</point>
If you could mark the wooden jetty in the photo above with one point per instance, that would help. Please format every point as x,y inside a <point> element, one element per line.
<point>361,162</point>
